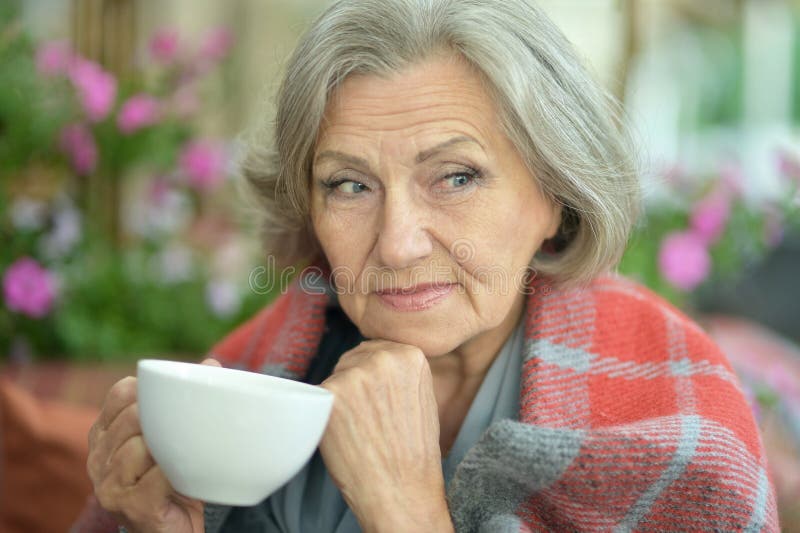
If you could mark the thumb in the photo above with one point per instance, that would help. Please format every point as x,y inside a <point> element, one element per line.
<point>210,361</point>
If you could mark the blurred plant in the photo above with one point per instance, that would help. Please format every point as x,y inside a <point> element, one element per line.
<point>710,229</point>
<point>104,184</point>
<point>28,288</point>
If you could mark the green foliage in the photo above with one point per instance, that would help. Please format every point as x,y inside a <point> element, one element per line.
<point>109,312</point>
<point>744,242</point>
<point>114,300</point>
<point>29,116</point>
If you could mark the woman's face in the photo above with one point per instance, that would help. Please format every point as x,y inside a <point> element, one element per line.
<point>414,183</point>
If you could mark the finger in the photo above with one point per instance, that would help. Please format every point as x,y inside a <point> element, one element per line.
<point>359,354</point>
<point>130,461</point>
<point>146,502</point>
<point>210,361</point>
<point>94,432</point>
<point>125,426</point>
<point>155,484</point>
<point>121,394</point>
<point>104,442</point>
<point>350,359</point>
<point>384,344</point>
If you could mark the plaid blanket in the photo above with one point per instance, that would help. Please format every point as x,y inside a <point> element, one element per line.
<point>630,418</point>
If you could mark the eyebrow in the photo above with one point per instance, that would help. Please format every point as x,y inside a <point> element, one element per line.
<point>420,157</point>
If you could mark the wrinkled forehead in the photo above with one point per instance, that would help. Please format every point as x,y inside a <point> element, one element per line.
<point>426,99</point>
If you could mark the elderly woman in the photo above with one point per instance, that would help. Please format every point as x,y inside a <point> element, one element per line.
<point>460,187</point>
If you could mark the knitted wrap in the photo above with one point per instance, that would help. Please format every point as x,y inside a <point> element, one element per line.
<point>631,419</point>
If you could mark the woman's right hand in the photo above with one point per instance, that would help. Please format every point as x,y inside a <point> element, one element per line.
<point>127,481</point>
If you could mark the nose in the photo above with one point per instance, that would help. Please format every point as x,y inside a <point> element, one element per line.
<point>403,239</point>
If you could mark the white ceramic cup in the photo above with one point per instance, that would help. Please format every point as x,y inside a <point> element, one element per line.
<point>228,436</point>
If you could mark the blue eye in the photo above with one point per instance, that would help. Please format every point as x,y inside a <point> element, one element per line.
<point>344,186</point>
<point>459,180</point>
<point>462,179</point>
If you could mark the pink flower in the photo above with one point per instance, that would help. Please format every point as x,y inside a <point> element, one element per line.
<point>203,164</point>
<point>164,46</point>
<point>684,260</point>
<point>28,288</point>
<point>137,112</point>
<point>96,88</point>
<point>780,379</point>
<point>710,215</point>
<point>53,58</point>
<point>216,44</point>
<point>788,165</point>
<point>78,144</point>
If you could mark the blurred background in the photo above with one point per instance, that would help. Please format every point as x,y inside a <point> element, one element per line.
<point>122,235</point>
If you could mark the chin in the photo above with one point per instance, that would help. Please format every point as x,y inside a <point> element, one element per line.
<point>437,331</point>
<point>432,345</point>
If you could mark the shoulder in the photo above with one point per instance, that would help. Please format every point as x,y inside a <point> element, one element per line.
<point>618,317</point>
<point>284,334</point>
<point>629,316</point>
<point>629,355</point>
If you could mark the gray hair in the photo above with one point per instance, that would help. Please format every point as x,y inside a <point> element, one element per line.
<point>568,130</point>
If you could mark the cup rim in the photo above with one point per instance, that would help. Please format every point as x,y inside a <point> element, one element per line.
<point>251,382</point>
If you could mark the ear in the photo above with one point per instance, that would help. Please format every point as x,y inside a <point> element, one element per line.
<point>555,219</point>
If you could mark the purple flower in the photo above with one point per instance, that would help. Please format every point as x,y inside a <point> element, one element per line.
<point>28,288</point>
<point>53,58</point>
<point>684,260</point>
<point>216,44</point>
<point>173,264</point>
<point>139,111</point>
<point>709,216</point>
<point>65,235</point>
<point>77,143</point>
<point>223,298</point>
<point>203,164</point>
<point>780,379</point>
<point>164,46</point>
<point>160,211</point>
<point>96,88</point>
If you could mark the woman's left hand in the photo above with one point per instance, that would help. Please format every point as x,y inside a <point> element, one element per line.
<point>381,446</point>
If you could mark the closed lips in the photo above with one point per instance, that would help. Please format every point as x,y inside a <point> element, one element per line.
<point>422,287</point>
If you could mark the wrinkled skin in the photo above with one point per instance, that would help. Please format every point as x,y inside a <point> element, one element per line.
<point>402,395</point>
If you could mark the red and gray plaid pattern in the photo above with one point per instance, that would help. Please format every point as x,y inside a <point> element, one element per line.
<point>631,419</point>
<point>665,439</point>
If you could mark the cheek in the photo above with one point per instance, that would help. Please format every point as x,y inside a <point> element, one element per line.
<point>504,244</point>
<point>525,224</point>
<point>344,238</point>
<point>495,237</point>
